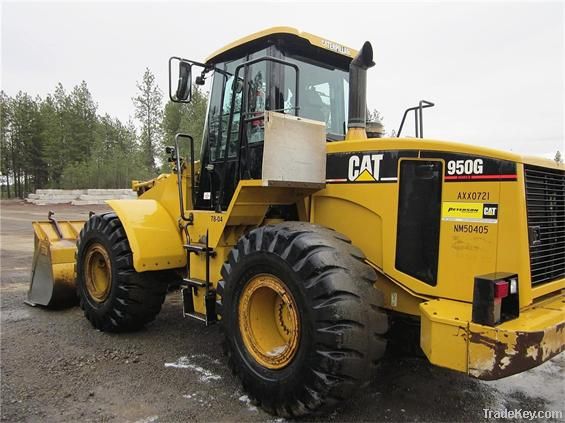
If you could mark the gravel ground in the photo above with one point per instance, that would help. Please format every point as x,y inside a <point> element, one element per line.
<point>56,367</point>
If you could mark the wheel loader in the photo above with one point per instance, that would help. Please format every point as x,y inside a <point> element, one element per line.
<point>313,241</point>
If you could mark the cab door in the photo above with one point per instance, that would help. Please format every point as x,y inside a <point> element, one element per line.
<point>242,140</point>
<point>253,131</point>
<point>214,164</point>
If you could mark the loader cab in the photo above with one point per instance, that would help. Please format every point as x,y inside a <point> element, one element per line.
<point>284,72</point>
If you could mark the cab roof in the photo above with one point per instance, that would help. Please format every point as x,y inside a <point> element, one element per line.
<point>283,33</point>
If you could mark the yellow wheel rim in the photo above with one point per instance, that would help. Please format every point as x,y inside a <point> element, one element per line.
<point>98,272</point>
<point>268,321</point>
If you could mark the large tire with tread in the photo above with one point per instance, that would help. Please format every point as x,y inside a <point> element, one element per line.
<point>342,326</point>
<point>131,299</point>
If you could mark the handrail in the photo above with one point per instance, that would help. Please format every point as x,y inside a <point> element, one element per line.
<point>179,174</point>
<point>418,118</point>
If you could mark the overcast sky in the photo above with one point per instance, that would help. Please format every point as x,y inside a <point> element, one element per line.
<point>494,70</point>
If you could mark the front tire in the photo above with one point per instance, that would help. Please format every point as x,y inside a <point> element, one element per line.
<point>301,320</point>
<point>113,295</point>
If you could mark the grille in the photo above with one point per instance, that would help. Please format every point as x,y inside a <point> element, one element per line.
<point>545,202</point>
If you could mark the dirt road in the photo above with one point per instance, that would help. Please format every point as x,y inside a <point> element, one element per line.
<point>55,367</point>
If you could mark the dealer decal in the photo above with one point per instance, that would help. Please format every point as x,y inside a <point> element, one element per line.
<point>469,212</point>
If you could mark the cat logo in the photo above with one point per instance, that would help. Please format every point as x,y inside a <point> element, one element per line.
<point>490,211</point>
<point>364,168</point>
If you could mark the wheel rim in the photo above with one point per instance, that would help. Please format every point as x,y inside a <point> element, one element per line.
<point>269,322</point>
<point>98,273</point>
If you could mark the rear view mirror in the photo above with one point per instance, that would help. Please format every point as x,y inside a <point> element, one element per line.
<point>184,88</point>
<point>183,91</point>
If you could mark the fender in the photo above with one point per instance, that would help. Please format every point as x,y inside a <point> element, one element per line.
<point>153,235</point>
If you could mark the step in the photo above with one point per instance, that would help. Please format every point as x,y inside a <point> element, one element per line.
<point>198,316</point>
<point>198,283</point>
<point>188,307</point>
<point>198,248</point>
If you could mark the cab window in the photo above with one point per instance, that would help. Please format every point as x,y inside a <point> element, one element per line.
<point>214,118</point>
<point>256,103</point>
<point>220,103</point>
<point>323,94</point>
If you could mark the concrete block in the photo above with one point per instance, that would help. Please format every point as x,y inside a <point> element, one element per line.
<point>86,202</point>
<point>47,202</point>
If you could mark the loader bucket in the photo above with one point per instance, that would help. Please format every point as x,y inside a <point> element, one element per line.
<point>53,270</point>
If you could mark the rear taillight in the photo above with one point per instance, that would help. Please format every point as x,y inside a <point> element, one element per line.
<point>495,298</point>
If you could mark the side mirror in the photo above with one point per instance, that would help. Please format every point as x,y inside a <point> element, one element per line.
<point>183,93</point>
<point>184,88</point>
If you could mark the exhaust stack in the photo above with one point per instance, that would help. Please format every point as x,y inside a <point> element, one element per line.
<point>357,119</point>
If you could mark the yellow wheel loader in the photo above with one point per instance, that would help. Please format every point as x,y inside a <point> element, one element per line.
<point>313,241</point>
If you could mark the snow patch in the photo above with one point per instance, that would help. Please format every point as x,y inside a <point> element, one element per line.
<point>185,363</point>
<point>544,381</point>
<point>206,357</point>
<point>245,399</point>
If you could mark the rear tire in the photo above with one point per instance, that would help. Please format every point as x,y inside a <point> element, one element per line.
<point>341,327</point>
<point>112,294</point>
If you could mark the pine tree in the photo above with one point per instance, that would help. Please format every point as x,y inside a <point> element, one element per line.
<point>37,172</point>
<point>558,158</point>
<point>52,127</point>
<point>5,163</point>
<point>25,144</point>
<point>149,112</point>
<point>81,120</point>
